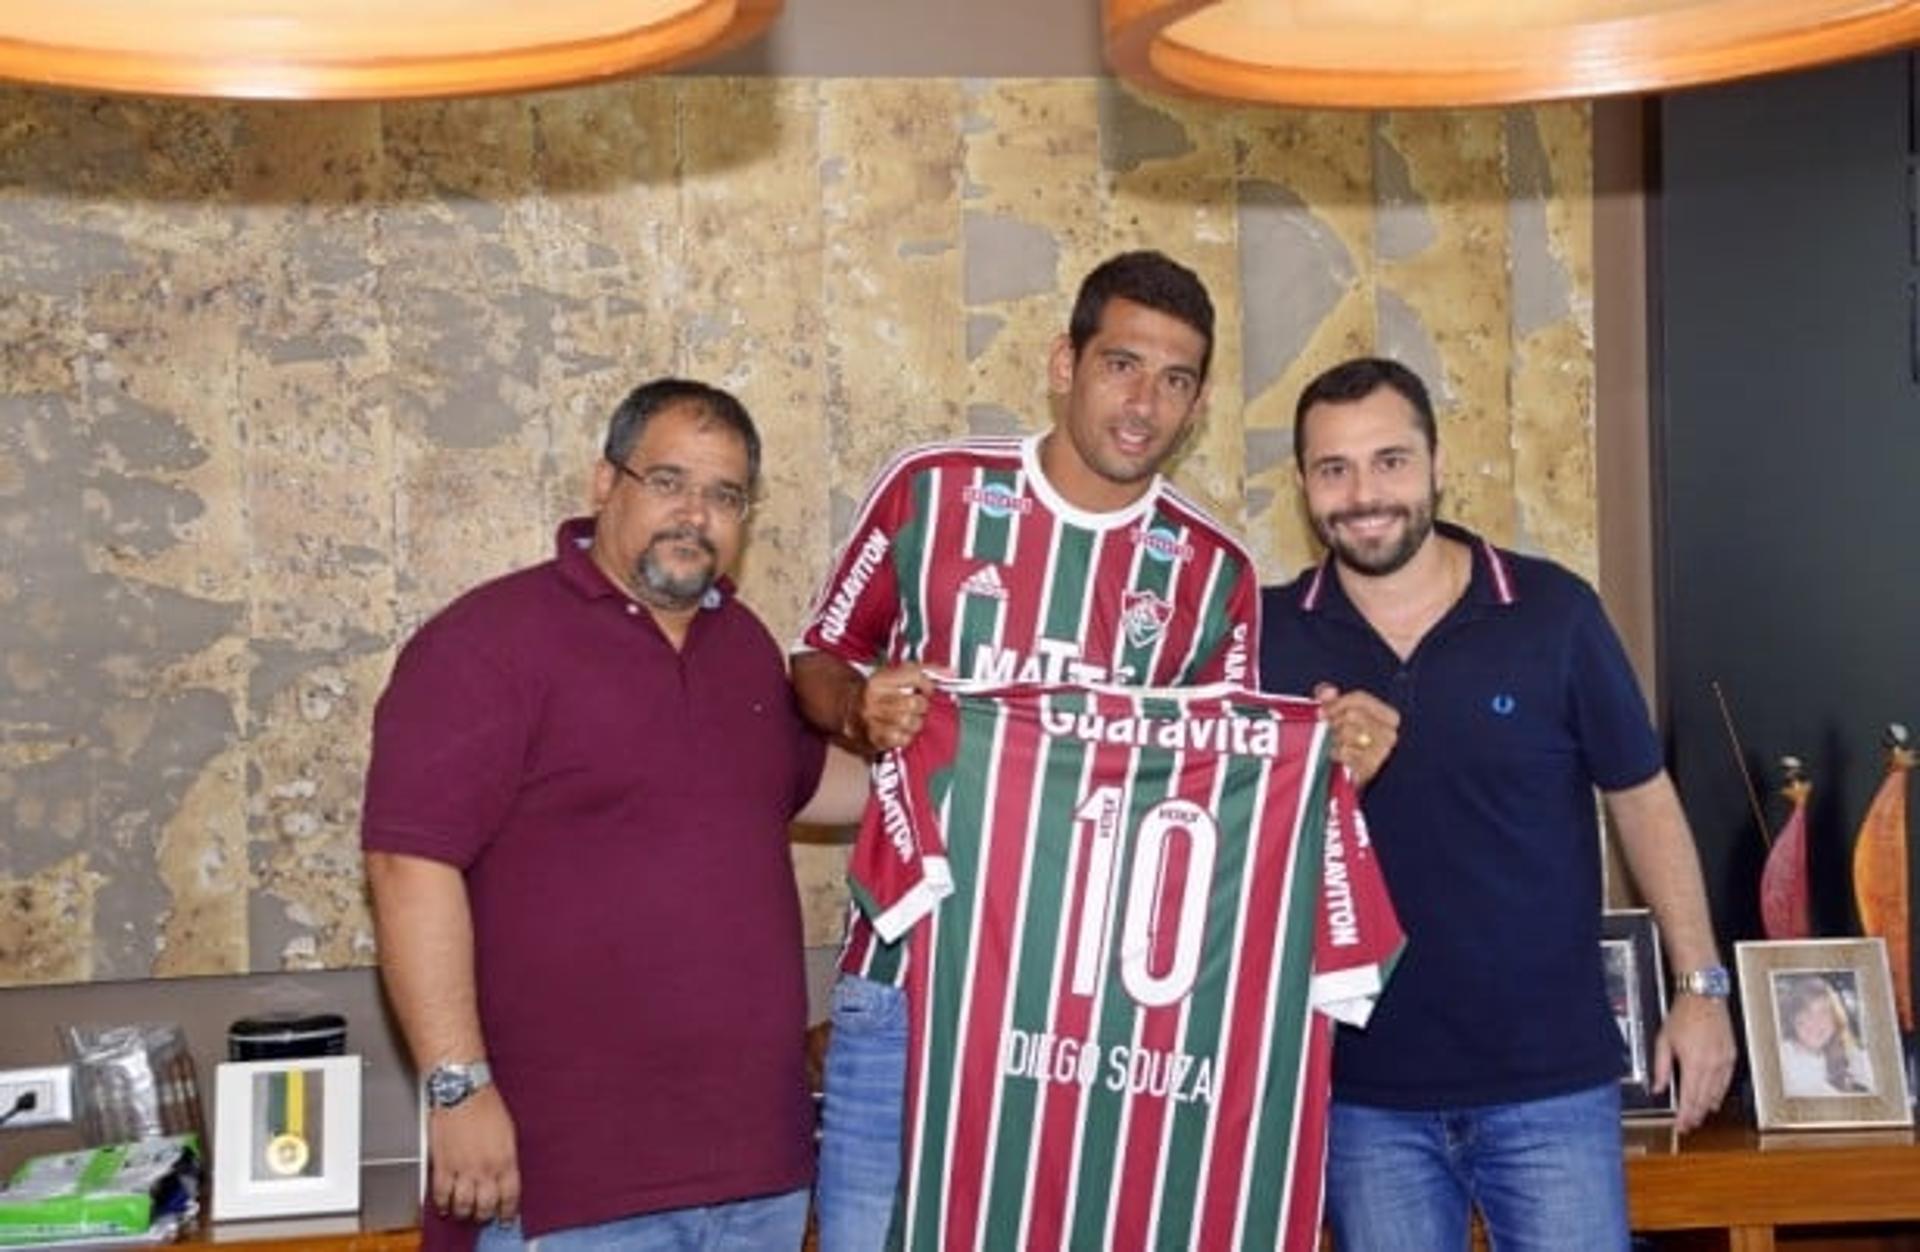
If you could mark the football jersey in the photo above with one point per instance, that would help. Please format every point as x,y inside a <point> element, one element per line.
<point>1122,982</point>
<point>963,557</point>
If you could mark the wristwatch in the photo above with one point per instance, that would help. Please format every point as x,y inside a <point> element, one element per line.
<point>1712,982</point>
<point>451,1083</point>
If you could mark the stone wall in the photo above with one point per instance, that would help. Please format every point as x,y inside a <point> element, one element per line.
<point>277,382</point>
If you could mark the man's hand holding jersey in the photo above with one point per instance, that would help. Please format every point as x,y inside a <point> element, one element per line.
<point>865,713</point>
<point>1365,728</point>
<point>889,708</point>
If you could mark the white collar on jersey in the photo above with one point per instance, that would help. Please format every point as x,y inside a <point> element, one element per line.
<point>1058,505</point>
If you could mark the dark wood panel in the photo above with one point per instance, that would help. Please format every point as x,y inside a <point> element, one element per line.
<point>1787,434</point>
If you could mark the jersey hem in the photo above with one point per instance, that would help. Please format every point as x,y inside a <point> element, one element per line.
<point>935,885</point>
<point>1347,995</point>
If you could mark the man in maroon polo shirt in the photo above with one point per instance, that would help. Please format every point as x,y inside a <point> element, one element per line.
<point>575,831</point>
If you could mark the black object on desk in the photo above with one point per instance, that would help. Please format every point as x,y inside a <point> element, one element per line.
<point>280,1036</point>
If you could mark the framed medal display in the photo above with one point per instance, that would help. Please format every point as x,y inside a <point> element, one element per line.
<point>286,1137</point>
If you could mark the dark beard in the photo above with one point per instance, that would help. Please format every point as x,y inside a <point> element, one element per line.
<point>1378,563</point>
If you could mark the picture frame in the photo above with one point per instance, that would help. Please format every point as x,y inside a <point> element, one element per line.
<point>286,1139</point>
<point>1823,1043</point>
<point>1631,963</point>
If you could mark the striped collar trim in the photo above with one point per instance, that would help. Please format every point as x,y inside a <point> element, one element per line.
<point>1499,577</point>
<point>1061,507</point>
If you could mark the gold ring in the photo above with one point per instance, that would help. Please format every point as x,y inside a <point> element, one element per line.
<point>1363,740</point>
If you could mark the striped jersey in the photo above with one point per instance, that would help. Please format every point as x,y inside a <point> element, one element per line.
<point>1122,985</point>
<point>965,558</point>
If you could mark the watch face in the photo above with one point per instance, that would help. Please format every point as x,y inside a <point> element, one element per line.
<point>446,1088</point>
<point>1708,982</point>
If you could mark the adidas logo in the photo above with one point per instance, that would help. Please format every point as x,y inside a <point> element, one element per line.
<point>986,582</point>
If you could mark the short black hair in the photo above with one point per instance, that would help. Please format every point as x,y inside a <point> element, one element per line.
<point>1356,380</point>
<point>648,399</point>
<point>1147,278</point>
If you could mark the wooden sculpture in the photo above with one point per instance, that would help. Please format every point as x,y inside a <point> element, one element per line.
<point>1880,870</point>
<point>1784,912</point>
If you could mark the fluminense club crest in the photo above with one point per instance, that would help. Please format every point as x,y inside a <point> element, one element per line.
<point>1145,616</point>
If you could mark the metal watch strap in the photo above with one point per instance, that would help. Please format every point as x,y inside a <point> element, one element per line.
<point>1711,981</point>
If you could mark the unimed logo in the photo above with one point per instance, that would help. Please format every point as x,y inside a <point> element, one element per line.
<point>997,500</point>
<point>1163,544</point>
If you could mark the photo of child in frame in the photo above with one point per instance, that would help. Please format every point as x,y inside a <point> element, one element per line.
<point>1819,1034</point>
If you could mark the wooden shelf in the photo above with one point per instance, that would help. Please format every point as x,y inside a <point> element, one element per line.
<point>1727,1176</point>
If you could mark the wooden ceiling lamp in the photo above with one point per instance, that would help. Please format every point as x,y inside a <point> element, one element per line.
<point>359,49</point>
<point>1457,53</point>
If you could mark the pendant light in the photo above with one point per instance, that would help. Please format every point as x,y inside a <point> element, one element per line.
<point>1455,53</point>
<point>359,49</point>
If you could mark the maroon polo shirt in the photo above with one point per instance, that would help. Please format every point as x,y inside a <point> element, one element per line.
<point>620,811</point>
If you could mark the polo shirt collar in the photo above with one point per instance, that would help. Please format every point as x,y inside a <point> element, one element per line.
<point>572,553</point>
<point>1492,584</point>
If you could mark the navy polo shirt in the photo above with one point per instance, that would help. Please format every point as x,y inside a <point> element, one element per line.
<point>619,809</point>
<point>1513,708</point>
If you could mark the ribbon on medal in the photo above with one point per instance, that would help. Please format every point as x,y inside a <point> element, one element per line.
<point>287,1151</point>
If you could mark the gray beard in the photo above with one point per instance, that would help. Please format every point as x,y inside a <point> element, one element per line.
<point>654,584</point>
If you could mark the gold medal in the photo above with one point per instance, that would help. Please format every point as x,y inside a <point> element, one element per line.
<point>287,1154</point>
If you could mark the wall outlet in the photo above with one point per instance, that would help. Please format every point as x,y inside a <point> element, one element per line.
<point>51,1087</point>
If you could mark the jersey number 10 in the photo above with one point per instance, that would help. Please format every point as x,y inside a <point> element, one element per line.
<point>1163,896</point>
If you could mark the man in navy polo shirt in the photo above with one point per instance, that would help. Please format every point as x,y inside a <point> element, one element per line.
<point>576,836</point>
<point>1489,1074</point>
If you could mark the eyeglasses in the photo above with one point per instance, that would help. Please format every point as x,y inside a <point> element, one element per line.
<point>670,486</point>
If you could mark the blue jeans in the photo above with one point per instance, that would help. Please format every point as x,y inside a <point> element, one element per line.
<point>761,1224</point>
<point>1545,1174</point>
<point>862,1116</point>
